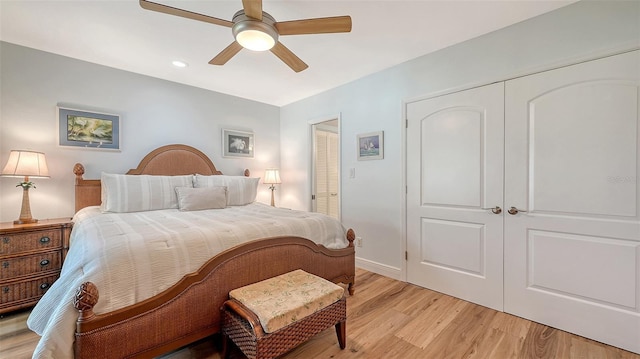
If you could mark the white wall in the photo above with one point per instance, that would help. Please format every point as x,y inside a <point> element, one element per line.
<point>373,202</point>
<point>153,113</point>
<point>157,112</point>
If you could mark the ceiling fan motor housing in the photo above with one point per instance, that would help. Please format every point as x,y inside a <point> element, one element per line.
<point>242,23</point>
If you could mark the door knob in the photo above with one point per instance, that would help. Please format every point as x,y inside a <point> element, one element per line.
<point>513,211</point>
<point>495,210</point>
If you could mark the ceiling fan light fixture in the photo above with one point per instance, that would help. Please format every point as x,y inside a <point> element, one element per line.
<point>254,34</point>
<point>255,40</point>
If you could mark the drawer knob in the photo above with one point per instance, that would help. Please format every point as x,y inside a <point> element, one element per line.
<point>44,286</point>
<point>5,265</point>
<point>44,262</point>
<point>5,240</point>
<point>5,290</point>
<point>45,239</point>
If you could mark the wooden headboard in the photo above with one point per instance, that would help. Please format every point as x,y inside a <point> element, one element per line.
<point>170,160</point>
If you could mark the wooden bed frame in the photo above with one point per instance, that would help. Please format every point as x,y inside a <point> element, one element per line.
<point>190,310</point>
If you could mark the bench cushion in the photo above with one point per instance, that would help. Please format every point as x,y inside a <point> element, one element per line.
<point>285,299</point>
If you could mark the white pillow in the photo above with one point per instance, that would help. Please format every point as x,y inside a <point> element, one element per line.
<point>195,199</point>
<point>240,190</point>
<point>136,193</point>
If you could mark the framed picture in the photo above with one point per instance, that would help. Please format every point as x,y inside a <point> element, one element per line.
<point>237,143</point>
<point>78,128</point>
<point>371,146</point>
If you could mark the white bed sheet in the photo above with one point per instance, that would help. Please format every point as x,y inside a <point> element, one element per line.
<point>134,256</point>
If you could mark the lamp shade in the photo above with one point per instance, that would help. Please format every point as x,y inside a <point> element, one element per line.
<point>272,176</point>
<point>26,164</point>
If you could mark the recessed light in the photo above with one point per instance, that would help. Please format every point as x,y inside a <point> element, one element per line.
<point>178,63</point>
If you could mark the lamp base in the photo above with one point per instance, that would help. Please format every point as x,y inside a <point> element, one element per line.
<point>273,202</point>
<point>25,221</point>
<point>25,211</point>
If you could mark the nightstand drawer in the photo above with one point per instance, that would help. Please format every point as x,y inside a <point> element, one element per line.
<point>21,291</point>
<point>28,241</point>
<point>31,257</point>
<point>20,266</point>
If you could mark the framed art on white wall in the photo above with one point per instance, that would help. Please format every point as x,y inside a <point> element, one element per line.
<point>87,129</point>
<point>237,143</point>
<point>371,146</point>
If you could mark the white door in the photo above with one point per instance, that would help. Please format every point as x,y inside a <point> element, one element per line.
<point>326,183</point>
<point>454,179</point>
<point>572,157</point>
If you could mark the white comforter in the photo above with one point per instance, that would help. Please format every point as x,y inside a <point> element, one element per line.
<point>133,256</point>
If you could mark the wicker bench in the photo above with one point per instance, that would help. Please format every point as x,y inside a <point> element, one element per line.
<point>269,318</point>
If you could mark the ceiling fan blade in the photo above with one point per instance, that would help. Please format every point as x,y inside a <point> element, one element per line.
<point>288,57</point>
<point>226,54</point>
<point>321,25</point>
<point>253,8</point>
<point>148,5</point>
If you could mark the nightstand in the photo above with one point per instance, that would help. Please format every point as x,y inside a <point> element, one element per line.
<point>31,257</point>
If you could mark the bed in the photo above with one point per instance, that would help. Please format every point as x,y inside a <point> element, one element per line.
<point>84,314</point>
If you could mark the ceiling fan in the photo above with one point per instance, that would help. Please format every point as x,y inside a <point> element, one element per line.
<point>256,30</point>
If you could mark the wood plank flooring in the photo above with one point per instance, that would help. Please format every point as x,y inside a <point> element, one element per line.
<point>392,319</point>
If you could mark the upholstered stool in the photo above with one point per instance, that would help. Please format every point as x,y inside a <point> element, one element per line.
<point>269,318</point>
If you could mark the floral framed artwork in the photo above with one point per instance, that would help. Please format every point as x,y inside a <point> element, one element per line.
<point>237,143</point>
<point>371,146</point>
<point>79,128</point>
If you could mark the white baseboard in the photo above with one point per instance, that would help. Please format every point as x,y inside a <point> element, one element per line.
<point>382,269</point>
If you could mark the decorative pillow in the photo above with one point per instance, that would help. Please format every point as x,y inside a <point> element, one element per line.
<point>195,199</point>
<point>240,190</point>
<point>136,193</point>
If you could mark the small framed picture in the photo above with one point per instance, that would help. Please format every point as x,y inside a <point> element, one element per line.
<point>371,146</point>
<point>237,143</point>
<point>79,128</point>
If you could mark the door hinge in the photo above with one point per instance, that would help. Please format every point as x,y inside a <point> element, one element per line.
<point>313,197</point>
<point>406,255</point>
<point>406,123</point>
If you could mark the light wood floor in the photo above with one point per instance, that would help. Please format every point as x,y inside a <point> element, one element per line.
<point>392,319</point>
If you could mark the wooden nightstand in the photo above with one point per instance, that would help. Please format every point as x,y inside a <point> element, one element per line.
<point>31,257</point>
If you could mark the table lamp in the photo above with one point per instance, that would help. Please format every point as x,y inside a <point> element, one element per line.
<point>26,164</point>
<point>272,177</point>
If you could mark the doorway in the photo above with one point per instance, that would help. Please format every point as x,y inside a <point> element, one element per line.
<point>325,191</point>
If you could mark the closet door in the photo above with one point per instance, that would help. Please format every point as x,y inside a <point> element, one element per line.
<point>454,194</point>
<point>332,175</point>
<point>572,161</point>
<point>326,182</point>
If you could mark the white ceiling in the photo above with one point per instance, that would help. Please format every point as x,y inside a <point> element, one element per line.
<point>120,34</point>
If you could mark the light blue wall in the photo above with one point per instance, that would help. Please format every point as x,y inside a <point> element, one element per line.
<point>372,202</point>
<point>157,112</point>
<point>153,113</point>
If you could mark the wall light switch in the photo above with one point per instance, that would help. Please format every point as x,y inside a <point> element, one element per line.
<point>352,173</point>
